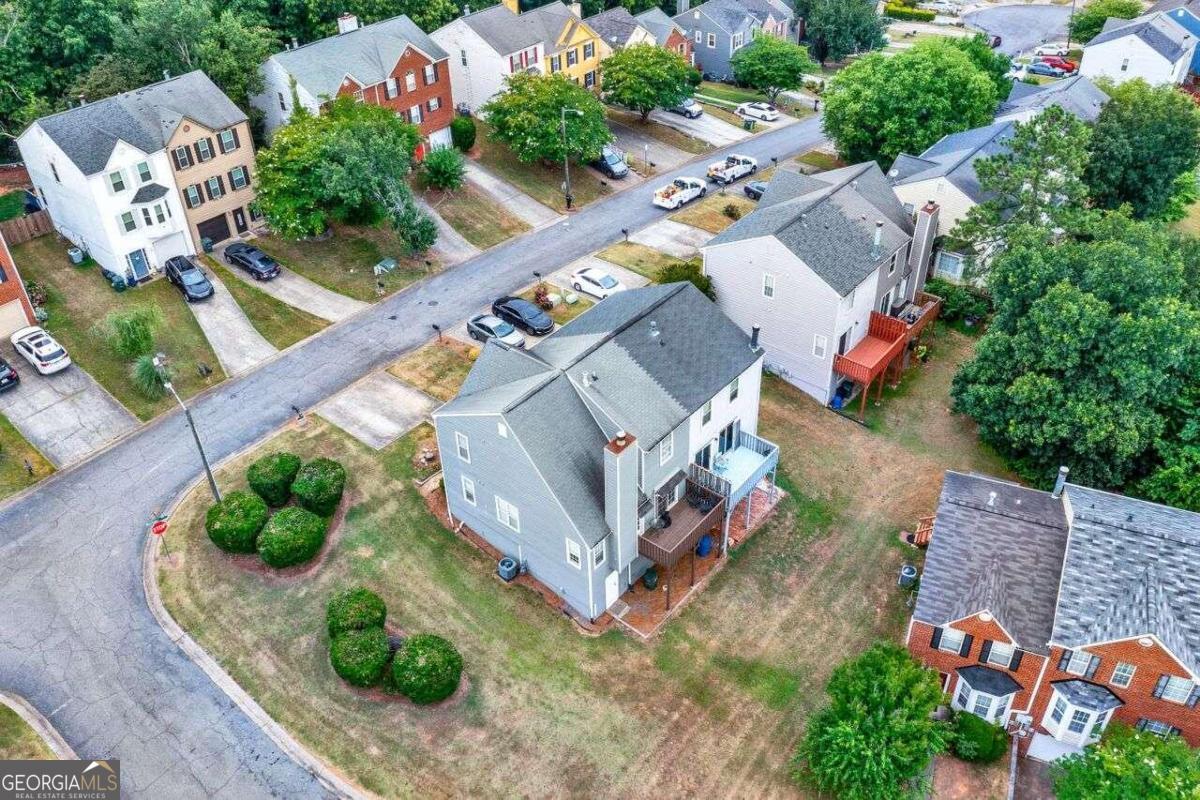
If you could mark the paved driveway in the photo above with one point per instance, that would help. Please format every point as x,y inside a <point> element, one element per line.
<point>530,211</point>
<point>235,341</point>
<point>77,638</point>
<point>1022,27</point>
<point>637,143</point>
<point>377,410</point>
<point>705,127</point>
<point>67,416</point>
<point>299,292</point>
<point>673,238</point>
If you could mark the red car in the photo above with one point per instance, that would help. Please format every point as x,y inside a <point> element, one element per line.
<point>1065,64</point>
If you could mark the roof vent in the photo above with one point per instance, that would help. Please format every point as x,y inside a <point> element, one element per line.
<point>1060,482</point>
<point>347,23</point>
<point>654,331</point>
<point>621,438</point>
<point>877,248</point>
<point>854,184</point>
<point>991,500</point>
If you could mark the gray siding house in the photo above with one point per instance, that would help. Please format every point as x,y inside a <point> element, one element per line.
<point>719,28</point>
<point>614,444</point>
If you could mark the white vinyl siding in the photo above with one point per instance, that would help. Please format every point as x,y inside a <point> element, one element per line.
<point>666,449</point>
<point>116,181</point>
<point>143,171</point>
<point>768,285</point>
<point>507,514</point>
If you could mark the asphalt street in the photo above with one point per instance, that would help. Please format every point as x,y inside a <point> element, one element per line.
<point>77,638</point>
<point>1022,27</point>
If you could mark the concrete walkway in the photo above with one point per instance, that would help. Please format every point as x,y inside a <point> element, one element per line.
<point>377,410</point>
<point>299,292</point>
<point>451,247</point>
<point>528,210</point>
<point>235,341</point>
<point>673,238</point>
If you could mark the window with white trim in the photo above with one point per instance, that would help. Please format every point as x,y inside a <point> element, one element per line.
<point>463,445</point>
<point>589,80</point>
<point>468,490</point>
<point>1000,654</point>
<point>599,554</point>
<point>666,449</point>
<point>216,187</point>
<point>192,194</point>
<point>462,55</point>
<point>434,103</point>
<point>203,149</point>
<point>117,181</point>
<point>574,554</point>
<point>1124,64</point>
<point>1122,674</point>
<point>143,171</point>
<point>964,693</point>
<point>146,216</point>
<point>414,115</point>
<point>128,221</point>
<point>1060,708</point>
<point>507,514</point>
<point>429,73</point>
<point>572,57</point>
<point>768,285</point>
<point>183,157</point>
<point>982,706</point>
<point>410,81</point>
<point>237,177</point>
<point>706,415</point>
<point>892,265</point>
<point>712,40</point>
<point>952,640</point>
<point>1157,728</point>
<point>390,89</point>
<point>1177,690</point>
<point>227,140</point>
<point>733,389</point>
<point>1079,721</point>
<point>158,212</point>
<point>737,40</point>
<point>589,50</point>
<point>1078,665</point>
<point>699,37</point>
<point>820,345</point>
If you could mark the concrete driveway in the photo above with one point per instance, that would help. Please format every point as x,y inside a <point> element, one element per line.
<point>673,238</point>
<point>299,292</point>
<point>235,341</point>
<point>1021,27</point>
<point>528,210</point>
<point>377,410</point>
<point>631,279</point>
<point>637,143</point>
<point>705,127</point>
<point>451,247</point>
<point>67,416</point>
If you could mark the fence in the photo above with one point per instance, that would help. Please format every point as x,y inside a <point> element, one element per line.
<point>30,226</point>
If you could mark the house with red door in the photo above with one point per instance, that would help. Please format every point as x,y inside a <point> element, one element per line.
<point>1055,613</point>
<point>392,64</point>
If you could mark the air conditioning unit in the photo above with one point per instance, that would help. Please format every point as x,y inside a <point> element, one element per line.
<point>507,569</point>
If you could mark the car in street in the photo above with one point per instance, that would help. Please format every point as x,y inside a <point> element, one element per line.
<point>41,350</point>
<point>688,108</point>
<point>733,167</point>
<point>1042,68</point>
<point>1065,64</point>
<point>1052,49</point>
<point>755,189</point>
<point>596,282</point>
<point>187,276</point>
<point>679,191</point>
<point>611,163</point>
<point>760,111</point>
<point>524,315</point>
<point>260,265</point>
<point>489,326</point>
<point>8,376</point>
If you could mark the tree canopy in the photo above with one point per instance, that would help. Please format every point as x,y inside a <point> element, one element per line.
<point>527,117</point>
<point>992,62</point>
<point>880,106</point>
<point>645,77</point>
<point>771,65</point>
<point>838,28</point>
<point>1088,20</point>
<point>1145,138</point>
<point>877,735</point>
<point>1128,763</point>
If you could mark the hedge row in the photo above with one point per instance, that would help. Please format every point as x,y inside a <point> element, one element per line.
<point>896,11</point>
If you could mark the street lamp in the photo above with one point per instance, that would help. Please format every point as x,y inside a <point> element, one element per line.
<point>160,365</point>
<point>566,164</point>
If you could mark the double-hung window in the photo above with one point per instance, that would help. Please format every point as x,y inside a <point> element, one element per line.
<point>143,171</point>
<point>1177,690</point>
<point>589,50</point>
<point>128,221</point>
<point>227,140</point>
<point>555,64</point>
<point>117,181</point>
<point>733,389</point>
<point>434,103</point>
<point>699,37</point>
<point>599,554</point>
<point>149,220</point>
<point>430,74</point>
<point>390,88</point>
<point>706,415</point>
<point>820,345</point>
<point>468,490</point>
<point>1000,654</point>
<point>463,445</point>
<point>574,554</point>
<point>158,212</point>
<point>507,514</point>
<point>952,640</point>
<point>237,177</point>
<point>410,81</point>
<point>768,285</point>
<point>414,115</point>
<point>1079,662</point>
<point>666,449</point>
<point>192,193</point>
<point>215,187</point>
<point>183,157</point>
<point>1122,674</point>
<point>572,57</point>
<point>203,149</point>
<point>712,40</point>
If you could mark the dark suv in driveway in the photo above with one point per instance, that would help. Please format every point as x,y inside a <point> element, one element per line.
<point>524,315</point>
<point>187,276</point>
<point>8,376</point>
<point>255,261</point>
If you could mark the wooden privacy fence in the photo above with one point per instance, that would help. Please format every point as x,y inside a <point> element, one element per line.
<point>30,226</point>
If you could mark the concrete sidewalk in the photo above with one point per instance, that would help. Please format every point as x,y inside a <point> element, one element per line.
<point>235,341</point>
<point>528,210</point>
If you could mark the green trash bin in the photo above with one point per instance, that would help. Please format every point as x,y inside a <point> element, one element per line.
<point>206,244</point>
<point>650,579</point>
<point>748,124</point>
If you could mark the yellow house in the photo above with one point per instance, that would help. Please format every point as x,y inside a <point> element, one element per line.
<point>569,45</point>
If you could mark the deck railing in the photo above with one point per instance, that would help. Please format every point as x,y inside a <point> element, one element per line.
<point>709,480</point>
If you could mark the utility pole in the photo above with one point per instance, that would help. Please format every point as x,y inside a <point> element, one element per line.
<point>566,159</point>
<point>160,365</point>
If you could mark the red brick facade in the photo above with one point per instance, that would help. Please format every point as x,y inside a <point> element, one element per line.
<point>11,287</point>
<point>678,43</point>
<point>432,97</point>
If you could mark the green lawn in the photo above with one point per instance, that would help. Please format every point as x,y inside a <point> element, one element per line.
<point>12,205</point>
<point>280,324</point>
<point>732,96</point>
<point>822,161</point>
<point>14,452</point>
<point>563,313</point>
<point>540,181</point>
<point>663,133</point>
<point>18,741</point>
<point>712,707</point>
<point>343,263</point>
<point>646,261</point>
<point>476,216</point>
<point>78,300</point>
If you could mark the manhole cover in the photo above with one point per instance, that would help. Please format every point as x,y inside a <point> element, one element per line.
<point>433,302</point>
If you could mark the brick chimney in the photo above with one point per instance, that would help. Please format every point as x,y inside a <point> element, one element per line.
<point>347,23</point>
<point>925,230</point>
<point>621,494</point>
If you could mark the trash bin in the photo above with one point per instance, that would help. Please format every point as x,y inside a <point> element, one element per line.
<point>748,124</point>
<point>704,546</point>
<point>206,244</point>
<point>76,255</point>
<point>650,579</point>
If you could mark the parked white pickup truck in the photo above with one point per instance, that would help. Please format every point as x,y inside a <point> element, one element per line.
<point>733,167</point>
<point>678,192</point>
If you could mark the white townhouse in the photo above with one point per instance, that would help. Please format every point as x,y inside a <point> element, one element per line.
<point>1153,47</point>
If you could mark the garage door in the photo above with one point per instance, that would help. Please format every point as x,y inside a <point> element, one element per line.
<point>12,317</point>
<point>216,229</point>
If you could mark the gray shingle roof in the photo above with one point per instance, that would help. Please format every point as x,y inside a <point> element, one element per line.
<point>1086,694</point>
<point>1161,33</point>
<point>828,220</point>
<point>735,15</point>
<point>648,385</point>
<point>615,26</point>
<point>995,682</point>
<point>659,24</point>
<point>1170,5</point>
<point>1076,95</point>
<point>151,191</point>
<point>1130,570</point>
<point>996,547</point>
<point>507,32</point>
<point>145,118</point>
<point>368,55</point>
<point>952,158</point>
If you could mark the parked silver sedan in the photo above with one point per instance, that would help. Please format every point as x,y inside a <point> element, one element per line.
<point>488,326</point>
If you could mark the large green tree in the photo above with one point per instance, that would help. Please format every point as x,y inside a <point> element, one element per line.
<point>527,117</point>
<point>771,65</point>
<point>880,106</point>
<point>1144,139</point>
<point>645,77</point>
<point>838,28</point>
<point>1129,764</point>
<point>995,64</point>
<point>1089,355</point>
<point>877,735</point>
<point>1036,182</point>
<point>1088,20</point>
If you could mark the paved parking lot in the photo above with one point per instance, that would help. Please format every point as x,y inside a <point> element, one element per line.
<point>67,415</point>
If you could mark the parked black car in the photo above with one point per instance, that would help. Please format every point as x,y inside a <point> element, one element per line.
<point>524,315</point>
<point>8,376</point>
<point>611,163</point>
<point>755,189</point>
<point>187,276</point>
<point>253,260</point>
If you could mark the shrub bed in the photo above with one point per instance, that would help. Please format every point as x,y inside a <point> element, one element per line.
<point>271,477</point>
<point>958,302</point>
<point>895,11</point>
<point>426,669</point>
<point>462,133</point>
<point>234,523</point>
<point>978,740</point>
<point>318,485</point>
<point>291,536</point>
<point>359,657</point>
<point>354,609</point>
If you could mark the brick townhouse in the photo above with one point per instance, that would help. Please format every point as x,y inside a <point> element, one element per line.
<point>391,64</point>
<point>1054,613</point>
<point>15,309</point>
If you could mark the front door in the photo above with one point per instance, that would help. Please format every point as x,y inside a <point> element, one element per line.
<point>612,588</point>
<point>239,220</point>
<point>139,265</point>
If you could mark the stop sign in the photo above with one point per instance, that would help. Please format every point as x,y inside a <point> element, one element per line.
<point>159,527</point>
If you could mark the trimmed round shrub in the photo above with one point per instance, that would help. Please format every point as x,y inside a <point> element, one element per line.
<point>272,475</point>
<point>234,523</point>
<point>426,669</point>
<point>354,609</point>
<point>291,536</point>
<point>976,739</point>
<point>462,133</point>
<point>318,485</point>
<point>359,657</point>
